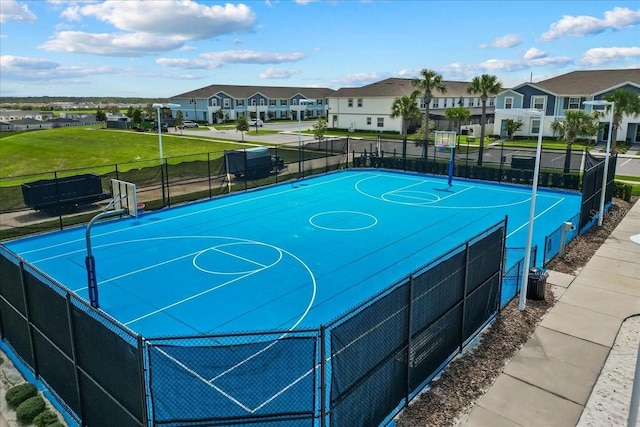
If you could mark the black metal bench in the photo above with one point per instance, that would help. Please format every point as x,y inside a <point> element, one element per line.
<point>64,194</point>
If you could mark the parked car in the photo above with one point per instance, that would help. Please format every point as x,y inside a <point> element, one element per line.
<point>188,124</point>
<point>254,122</point>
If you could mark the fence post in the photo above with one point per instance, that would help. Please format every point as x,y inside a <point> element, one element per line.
<point>164,199</point>
<point>74,358</point>
<point>323,379</point>
<point>464,293</point>
<point>143,384</point>
<point>209,173</point>
<point>409,328</point>
<point>59,210</point>
<point>25,300</point>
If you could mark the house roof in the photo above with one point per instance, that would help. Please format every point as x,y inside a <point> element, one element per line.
<point>63,120</point>
<point>393,87</point>
<point>27,121</point>
<point>243,92</point>
<point>588,82</point>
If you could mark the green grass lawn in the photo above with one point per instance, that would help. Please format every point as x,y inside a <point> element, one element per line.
<point>87,146</point>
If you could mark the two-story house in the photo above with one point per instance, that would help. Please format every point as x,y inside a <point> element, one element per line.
<point>556,95</point>
<point>219,103</point>
<point>369,107</point>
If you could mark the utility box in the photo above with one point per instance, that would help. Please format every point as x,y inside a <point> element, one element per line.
<point>251,163</point>
<point>523,162</point>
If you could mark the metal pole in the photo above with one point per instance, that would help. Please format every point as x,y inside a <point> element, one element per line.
<point>605,178</point>
<point>299,138</point>
<point>159,133</point>
<point>532,211</point>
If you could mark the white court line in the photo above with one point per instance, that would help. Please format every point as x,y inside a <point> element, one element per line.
<point>232,255</point>
<point>557,158</point>
<point>535,217</point>
<point>194,296</point>
<point>239,202</point>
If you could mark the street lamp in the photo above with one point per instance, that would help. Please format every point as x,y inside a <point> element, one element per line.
<point>606,156</point>
<point>195,114</point>
<point>534,191</point>
<point>301,102</point>
<point>159,106</point>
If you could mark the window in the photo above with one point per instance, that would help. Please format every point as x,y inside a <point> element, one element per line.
<point>491,102</point>
<point>537,102</point>
<point>214,102</point>
<point>272,102</point>
<point>283,102</point>
<point>574,104</point>
<point>369,121</point>
<point>380,122</point>
<point>239,102</point>
<point>508,102</point>
<point>226,103</point>
<point>446,102</point>
<point>535,126</point>
<point>294,102</point>
<point>350,102</point>
<point>253,102</point>
<point>262,102</point>
<point>435,102</point>
<point>359,102</point>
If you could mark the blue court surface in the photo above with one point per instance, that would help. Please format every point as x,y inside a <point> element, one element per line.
<point>295,255</point>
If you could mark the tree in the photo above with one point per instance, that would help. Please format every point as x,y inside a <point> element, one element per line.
<point>575,123</point>
<point>136,117</point>
<point>626,103</point>
<point>457,115</point>
<point>319,128</point>
<point>179,118</point>
<point>407,108</point>
<point>130,112</point>
<point>150,112</point>
<point>242,125</point>
<point>220,115</point>
<point>484,86</point>
<point>428,82</point>
<point>101,116</point>
<point>113,109</point>
<point>594,126</point>
<point>557,128</point>
<point>513,126</point>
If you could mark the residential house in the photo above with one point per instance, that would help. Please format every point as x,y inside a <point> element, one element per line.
<point>30,124</point>
<point>568,92</point>
<point>369,107</point>
<point>11,115</point>
<point>219,103</point>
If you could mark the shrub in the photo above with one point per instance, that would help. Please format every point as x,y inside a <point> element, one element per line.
<point>45,419</point>
<point>28,409</point>
<point>56,424</point>
<point>18,394</point>
<point>622,191</point>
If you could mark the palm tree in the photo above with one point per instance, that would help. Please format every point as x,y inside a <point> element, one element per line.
<point>406,108</point>
<point>484,86</point>
<point>428,82</point>
<point>575,123</point>
<point>457,115</point>
<point>627,102</point>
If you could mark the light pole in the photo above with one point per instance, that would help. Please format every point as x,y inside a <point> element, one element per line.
<point>534,191</point>
<point>606,156</point>
<point>195,114</point>
<point>158,107</point>
<point>301,102</point>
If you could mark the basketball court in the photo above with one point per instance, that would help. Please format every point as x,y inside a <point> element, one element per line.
<point>283,257</point>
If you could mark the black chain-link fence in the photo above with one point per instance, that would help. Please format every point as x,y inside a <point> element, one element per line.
<point>159,184</point>
<point>592,189</point>
<point>500,164</point>
<point>91,363</point>
<point>358,370</point>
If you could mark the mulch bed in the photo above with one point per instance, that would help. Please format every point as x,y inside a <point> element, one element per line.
<point>452,396</point>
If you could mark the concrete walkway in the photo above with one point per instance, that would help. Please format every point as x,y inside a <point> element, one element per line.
<point>551,380</point>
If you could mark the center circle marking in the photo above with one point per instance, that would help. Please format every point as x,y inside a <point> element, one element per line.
<point>342,221</point>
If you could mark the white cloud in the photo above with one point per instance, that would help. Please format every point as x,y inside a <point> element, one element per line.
<point>534,53</point>
<point>507,65</point>
<point>148,28</point>
<point>12,10</point>
<point>107,44</point>
<point>31,69</point>
<point>359,79</point>
<point>602,55</point>
<point>187,18</point>
<point>577,26</point>
<point>506,41</point>
<point>214,60</point>
<point>278,73</point>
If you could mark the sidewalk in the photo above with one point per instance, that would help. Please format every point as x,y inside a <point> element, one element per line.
<point>551,380</point>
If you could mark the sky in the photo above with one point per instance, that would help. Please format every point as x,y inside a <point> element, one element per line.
<point>162,48</point>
